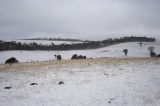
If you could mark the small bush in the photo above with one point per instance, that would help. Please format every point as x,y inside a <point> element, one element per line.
<point>59,57</point>
<point>11,60</point>
<point>125,51</point>
<point>153,54</point>
<point>158,55</point>
<point>75,56</point>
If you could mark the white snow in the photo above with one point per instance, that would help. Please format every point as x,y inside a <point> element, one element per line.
<point>91,82</point>
<point>134,50</point>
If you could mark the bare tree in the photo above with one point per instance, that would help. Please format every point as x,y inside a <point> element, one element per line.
<point>151,50</point>
<point>125,51</point>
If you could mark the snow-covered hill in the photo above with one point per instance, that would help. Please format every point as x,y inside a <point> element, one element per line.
<point>91,82</point>
<point>134,50</point>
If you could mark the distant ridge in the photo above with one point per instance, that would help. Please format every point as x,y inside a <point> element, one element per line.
<point>55,39</point>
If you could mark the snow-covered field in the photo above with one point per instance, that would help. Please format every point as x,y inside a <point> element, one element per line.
<point>91,82</point>
<point>134,50</point>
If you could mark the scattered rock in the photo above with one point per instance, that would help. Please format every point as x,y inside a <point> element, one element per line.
<point>109,101</point>
<point>7,87</point>
<point>106,74</point>
<point>61,83</point>
<point>33,84</point>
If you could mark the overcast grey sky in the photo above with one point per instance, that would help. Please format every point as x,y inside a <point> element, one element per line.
<point>85,19</point>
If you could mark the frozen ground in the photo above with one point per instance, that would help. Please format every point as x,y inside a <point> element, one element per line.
<point>134,50</point>
<point>91,82</point>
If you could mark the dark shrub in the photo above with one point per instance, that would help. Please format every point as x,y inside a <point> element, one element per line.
<point>81,57</point>
<point>11,60</point>
<point>84,57</point>
<point>74,57</point>
<point>59,57</point>
<point>158,55</point>
<point>153,54</point>
<point>78,57</point>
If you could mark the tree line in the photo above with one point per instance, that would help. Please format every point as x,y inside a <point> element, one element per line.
<point>55,39</point>
<point>13,45</point>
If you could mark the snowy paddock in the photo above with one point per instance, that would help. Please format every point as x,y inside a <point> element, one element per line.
<point>134,50</point>
<point>91,82</point>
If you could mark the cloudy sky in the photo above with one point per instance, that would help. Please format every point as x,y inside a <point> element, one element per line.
<point>84,19</point>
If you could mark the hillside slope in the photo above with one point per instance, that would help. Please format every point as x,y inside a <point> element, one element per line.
<point>134,50</point>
